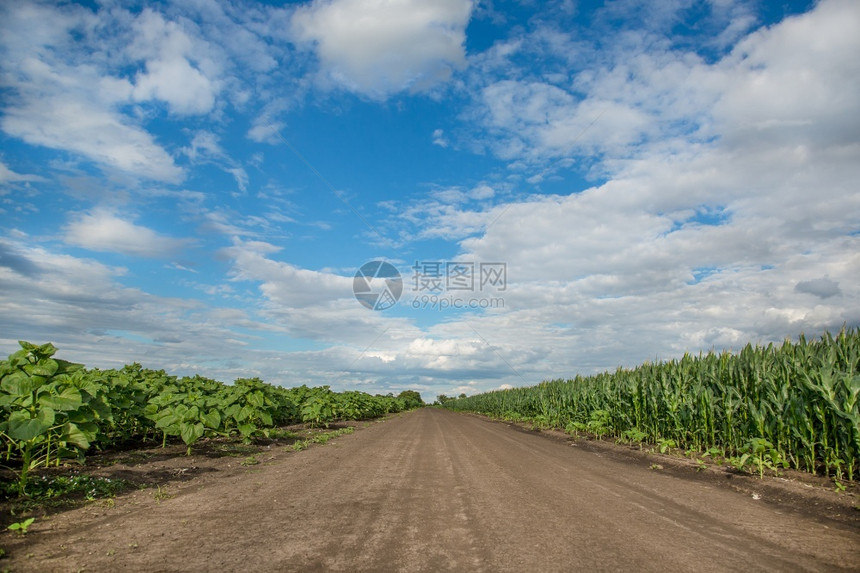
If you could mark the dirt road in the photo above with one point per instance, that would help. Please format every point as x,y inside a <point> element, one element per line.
<point>437,491</point>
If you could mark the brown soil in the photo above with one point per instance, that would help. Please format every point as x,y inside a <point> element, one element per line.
<point>433,490</point>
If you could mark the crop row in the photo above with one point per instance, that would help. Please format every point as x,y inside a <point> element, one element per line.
<point>795,404</point>
<point>51,409</point>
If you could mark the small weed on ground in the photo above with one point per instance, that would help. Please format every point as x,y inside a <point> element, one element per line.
<point>160,494</point>
<point>62,491</point>
<point>21,527</point>
<point>52,487</point>
<point>320,438</point>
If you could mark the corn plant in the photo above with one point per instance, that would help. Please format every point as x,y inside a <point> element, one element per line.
<point>801,398</point>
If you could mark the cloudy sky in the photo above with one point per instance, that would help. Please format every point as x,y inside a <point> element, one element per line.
<point>194,185</point>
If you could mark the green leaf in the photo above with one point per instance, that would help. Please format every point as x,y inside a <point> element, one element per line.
<point>265,417</point>
<point>47,349</point>
<point>212,419</point>
<point>167,420</point>
<point>100,409</point>
<point>190,433</point>
<point>66,367</point>
<point>45,367</point>
<point>243,414</point>
<point>22,525</point>
<point>75,436</point>
<point>191,415</point>
<point>90,429</point>
<point>23,427</point>
<point>247,429</point>
<point>19,384</point>
<point>68,399</point>
<point>256,399</point>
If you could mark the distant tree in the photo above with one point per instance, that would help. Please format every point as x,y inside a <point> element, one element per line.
<point>442,398</point>
<point>463,395</point>
<point>411,398</point>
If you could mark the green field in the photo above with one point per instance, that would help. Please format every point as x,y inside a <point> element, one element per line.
<point>53,410</point>
<point>793,405</point>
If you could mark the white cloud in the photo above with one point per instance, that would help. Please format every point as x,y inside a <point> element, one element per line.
<point>241,177</point>
<point>266,130</point>
<point>205,148</point>
<point>101,136</point>
<point>9,176</point>
<point>610,112</point>
<point>266,127</point>
<point>102,230</point>
<point>85,81</point>
<point>85,311</point>
<point>796,81</point>
<point>378,48</point>
<point>726,211</point>
<point>93,319</point>
<point>730,194</point>
<point>439,138</point>
<point>821,287</point>
<point>451,213</point>
<point>482,192</point>
<point>62,99</point>
<point>170,75</point>
<point>284,285</point>
<point>178,83</point>
<point>204,145</point>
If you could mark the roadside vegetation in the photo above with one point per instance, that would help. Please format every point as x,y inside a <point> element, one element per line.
<point>793,405</point>
<point>54,412</point>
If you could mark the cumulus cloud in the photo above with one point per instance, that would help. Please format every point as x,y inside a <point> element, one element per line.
<point>61,99</point>
<point>176,82</point>
<point>283,283</point>
<point>170,74</point>
<point>538,120</point>
<point>101,136</point>
<point>725,202</point>
<point>452,213</point>
<point>794,79</point>
<point>92,318</point>
<point>17,262</point>
<point>721,207</point>
<point>102,230</point>
<point>822,287</point>
<point>86,81</point>
<point>378,48</point>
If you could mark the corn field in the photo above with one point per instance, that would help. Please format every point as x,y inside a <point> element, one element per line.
<point>799,398</point>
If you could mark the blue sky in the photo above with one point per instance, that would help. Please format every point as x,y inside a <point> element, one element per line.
<point>194,185</point>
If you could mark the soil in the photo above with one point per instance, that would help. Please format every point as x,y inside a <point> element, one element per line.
<point>433,490</point>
